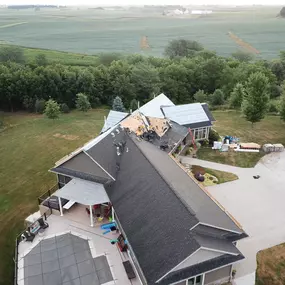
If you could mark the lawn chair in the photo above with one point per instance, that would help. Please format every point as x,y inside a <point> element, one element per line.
<point>27,236</point>
<point>42,223</point>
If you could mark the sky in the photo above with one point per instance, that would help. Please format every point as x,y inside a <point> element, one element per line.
<point>142,2</point>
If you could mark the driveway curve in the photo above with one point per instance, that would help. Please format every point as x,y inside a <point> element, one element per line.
<point>257,204</point>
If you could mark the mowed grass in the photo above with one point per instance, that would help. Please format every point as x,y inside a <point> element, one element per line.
<point>269,130</point>
<point>28,149</point>
<point>62,57</point>
<point>271,266</point>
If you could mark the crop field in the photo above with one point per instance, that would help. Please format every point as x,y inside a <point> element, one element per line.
<point>138,30</point>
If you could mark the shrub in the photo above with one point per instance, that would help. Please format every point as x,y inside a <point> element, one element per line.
<point>217,98</point>
<point>200,96</point>
<point>64,108</point>
<point>82,102</point>
<point>213,136</point>
<point>40,106</point>
<point>52,110</point>
<point>273,107</point>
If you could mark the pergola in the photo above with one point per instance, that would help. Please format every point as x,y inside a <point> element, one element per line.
<point>83,192</point>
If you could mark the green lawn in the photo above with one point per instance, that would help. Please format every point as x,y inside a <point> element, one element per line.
<point>271,266</point>
<point>269,130</point>
<point>30,145</point>
<point>54,56</point>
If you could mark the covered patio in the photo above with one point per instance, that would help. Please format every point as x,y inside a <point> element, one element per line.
<point>90,194</point>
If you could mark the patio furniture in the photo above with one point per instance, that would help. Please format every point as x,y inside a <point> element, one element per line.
<point>68,205</point>
<point>41,232</point>
<point>43,224</point>
<point>129,269</point>
<point>27,236</point>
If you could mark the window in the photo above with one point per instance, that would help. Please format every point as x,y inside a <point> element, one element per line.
<point>201,134</point>
<point>62,180</point>
<point>195,280</point>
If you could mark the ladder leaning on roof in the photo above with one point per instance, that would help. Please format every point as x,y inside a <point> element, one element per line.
<point>192,138</point>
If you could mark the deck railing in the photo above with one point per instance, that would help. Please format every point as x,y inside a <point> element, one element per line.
<point>18,240</point>
<point>47,194</point>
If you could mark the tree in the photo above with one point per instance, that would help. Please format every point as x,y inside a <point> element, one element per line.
<point>118,105</point>
<point>243,56</point>
<point>41,59</point>
<point>255,102</point>
<point>200,96</point>
<point>237,96</point>
<point>282,105</point>
<point>12,53</point>
<point>64,108</point>
<point>145,80</point>
<point>40,106</point>
<point>82,102</point>
<point>282,12</point>
<point>217,98</point>
<point>52,110</point>
<point>134,105</point>
<point>181,47</point>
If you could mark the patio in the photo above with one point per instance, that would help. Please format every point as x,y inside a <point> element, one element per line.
<point>71,236</point>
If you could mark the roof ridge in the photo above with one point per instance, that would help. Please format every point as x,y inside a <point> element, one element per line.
<point>170,186</point>
<point>208,194</point>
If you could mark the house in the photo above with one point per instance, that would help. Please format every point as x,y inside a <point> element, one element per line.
<point>196,116</point>
<point>171,229</point>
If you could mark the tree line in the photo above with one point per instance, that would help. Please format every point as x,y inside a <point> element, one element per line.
<point>188,73</point>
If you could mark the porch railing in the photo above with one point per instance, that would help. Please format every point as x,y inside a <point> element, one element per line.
<point>47,194</point>
<point>18,240</point>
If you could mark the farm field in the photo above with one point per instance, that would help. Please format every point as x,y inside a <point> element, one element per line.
<point>91,31</point>
<point>29,146</point>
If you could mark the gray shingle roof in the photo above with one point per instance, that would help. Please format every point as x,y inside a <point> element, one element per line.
<point>156,202</point>
<point>105,152</point>
<point>200,268</point>
<point>157,224</point>
<point>217,244</point>
<point>208,112</point>
<point>198,202</point>
<point>83,163</point>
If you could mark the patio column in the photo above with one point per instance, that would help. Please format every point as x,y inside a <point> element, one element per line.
<point>113,214</point>
<point>60,206</point>
<point>91,216</point>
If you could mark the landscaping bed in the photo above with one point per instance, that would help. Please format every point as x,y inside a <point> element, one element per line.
<point>213,176</point>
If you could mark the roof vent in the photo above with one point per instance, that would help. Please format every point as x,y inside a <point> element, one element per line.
<point>118,131</point>
<point>113,135</point>
<point>118,151</point>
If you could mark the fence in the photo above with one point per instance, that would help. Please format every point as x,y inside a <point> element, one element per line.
<point>18,240</point>
<point>47,194</point>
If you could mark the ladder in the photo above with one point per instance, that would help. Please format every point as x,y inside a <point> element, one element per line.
<point>192,138</point>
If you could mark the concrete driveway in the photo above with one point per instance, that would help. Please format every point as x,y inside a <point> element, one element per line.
<point>258,205</point>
